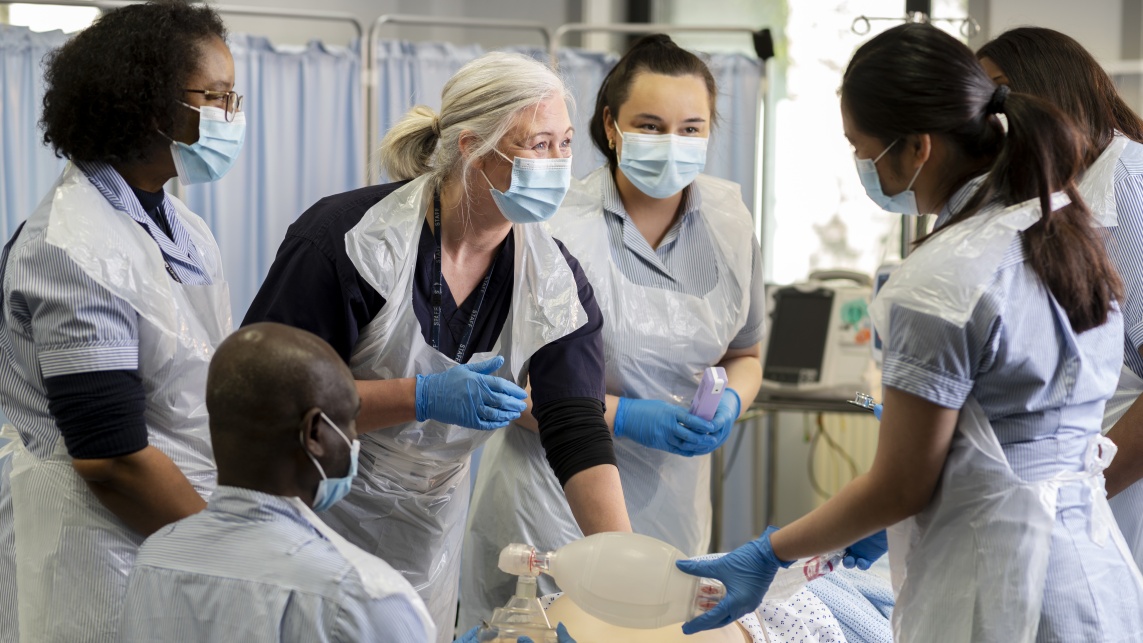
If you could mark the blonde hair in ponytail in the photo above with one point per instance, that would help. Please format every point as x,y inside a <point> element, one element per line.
<point>484,98</point>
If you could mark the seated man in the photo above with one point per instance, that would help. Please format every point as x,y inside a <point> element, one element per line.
<point>257,564</point>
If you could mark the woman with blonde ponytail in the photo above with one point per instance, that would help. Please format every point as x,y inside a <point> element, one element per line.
<point>446,300</point>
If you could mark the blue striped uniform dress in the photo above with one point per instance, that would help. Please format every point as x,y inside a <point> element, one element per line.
<point>1125,247</point>
<point>1045,403</point>
<point>250,568</point>
<point>58,321</point>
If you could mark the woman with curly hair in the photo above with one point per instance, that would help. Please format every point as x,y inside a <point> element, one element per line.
<point>113,303</point>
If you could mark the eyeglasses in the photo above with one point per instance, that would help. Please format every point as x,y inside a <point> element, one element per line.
<point>233,100</point>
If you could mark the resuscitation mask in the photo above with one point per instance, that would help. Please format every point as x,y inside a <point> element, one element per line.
<point>661,165</point>
<point>212,155</point>
<point>330,490</point>
<point>904,202</point>
<point>537,190</point>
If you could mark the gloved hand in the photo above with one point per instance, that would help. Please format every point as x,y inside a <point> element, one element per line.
<point>747,573</point>
<point>467,395</point>
<point>725,416</point>
<point>561,634</point>
<point>664,426</point>
<point>863,553</point>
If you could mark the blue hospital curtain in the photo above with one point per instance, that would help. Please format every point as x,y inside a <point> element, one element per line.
<point>413,73</point>
<point>305,139</point>
<point>28,169</point>
<point>730,154</point>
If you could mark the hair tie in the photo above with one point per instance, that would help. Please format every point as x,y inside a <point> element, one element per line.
<point>436,126</point>
<point>996,103</point>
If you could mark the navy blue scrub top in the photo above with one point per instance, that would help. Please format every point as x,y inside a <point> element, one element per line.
<point>313,285</point>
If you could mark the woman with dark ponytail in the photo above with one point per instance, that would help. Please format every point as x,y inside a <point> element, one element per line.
<point>1002,345</point>
<point>1055,67</point>
<point>676,271</point>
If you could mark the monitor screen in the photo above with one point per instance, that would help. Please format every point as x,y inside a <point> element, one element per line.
<point>798,334</point>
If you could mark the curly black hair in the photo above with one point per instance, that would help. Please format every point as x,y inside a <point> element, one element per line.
<point>116,85</point>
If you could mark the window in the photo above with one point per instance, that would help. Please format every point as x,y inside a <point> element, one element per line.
<point>39,17</point>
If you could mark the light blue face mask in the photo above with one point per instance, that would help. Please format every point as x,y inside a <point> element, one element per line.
<point>537,190</point>
<point>904,202</point>
<point>330,490</point>
<point>218,145</point>
<point>661,165</point>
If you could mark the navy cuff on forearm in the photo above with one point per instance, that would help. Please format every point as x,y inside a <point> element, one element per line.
<point>100,414</point>
<point>575,436</point>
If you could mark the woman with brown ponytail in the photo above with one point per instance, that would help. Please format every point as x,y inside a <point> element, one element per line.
<point>1003,344</point>
<point>1055,67</point>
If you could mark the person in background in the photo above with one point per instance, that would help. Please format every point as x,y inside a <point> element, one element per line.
<point>258,565</point>
<point>113,303</point>
<point>677,273</point>
<point>443,295</point>
<point>1003,341</point>
<point>1055,67</point>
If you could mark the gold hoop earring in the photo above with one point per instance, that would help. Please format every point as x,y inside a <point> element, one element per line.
<point>611,143</point>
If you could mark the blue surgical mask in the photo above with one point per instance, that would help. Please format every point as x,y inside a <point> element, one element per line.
<point>212,155</point>
<point>330,490</point>
<point>537,190</point>
<point>661,165</point>
<point>904,202</point>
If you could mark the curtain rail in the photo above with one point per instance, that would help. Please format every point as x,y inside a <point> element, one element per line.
<point>373,86</point>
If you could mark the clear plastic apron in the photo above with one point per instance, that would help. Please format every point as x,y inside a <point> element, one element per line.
<point>409,503</point>
<point>1127,505</point>
<point>1098,189</point>
<point>656,344</point>
<point>972,565</point>
<point>9,617</point>
<point>73,555</point>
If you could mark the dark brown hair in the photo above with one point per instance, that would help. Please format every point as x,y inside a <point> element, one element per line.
<point>1055,67</point>
<point>916,79</point>
<point>656,54</point>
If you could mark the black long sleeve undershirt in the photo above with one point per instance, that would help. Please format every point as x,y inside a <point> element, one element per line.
<point>575,436</point>
<point>100,414</point>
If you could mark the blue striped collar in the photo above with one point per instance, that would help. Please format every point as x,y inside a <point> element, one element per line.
<point>255,505</point>
<point>178,250</point>
<point>632,238</point>
<point>959,199</point>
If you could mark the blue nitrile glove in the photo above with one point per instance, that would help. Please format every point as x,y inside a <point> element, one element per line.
<point>562,636</point>
<point>747,573</point>
<point>725,416</point>
<point>467,395</point>
<point>863,553</point>
<point>664,426</point>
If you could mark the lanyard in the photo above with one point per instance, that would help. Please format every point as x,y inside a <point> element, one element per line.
<point>438,278</point>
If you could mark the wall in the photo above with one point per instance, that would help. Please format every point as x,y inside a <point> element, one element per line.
<point>281,31</point>
<point>1095,23</point>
